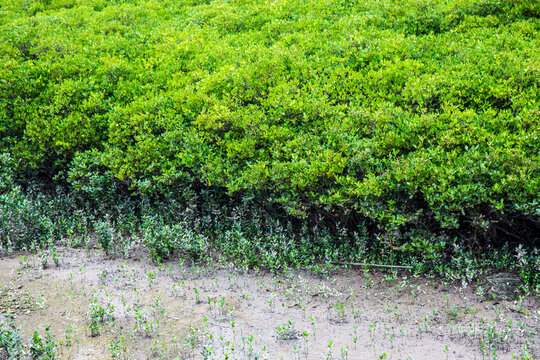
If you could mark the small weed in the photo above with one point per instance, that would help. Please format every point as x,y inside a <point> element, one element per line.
<point>99,316</point>
<point>10,338</point>
<point>286,331</point>
<point>43,349</point>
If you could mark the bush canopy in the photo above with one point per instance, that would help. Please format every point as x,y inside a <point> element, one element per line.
<point>414,115</point>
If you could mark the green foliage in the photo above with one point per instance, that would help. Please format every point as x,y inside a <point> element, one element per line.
<point>43,350</point>
<point>25,223</point>
<point>11,344</point>
<point>90,181</point>
<point>163,239</point>
<point>7,180</point>
<point>99,316</point>
<point>403,112</point>
<point>415,123</point>
<point>22,222</point>
<point>106,234</point>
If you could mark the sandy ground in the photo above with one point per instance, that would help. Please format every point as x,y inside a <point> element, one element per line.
<point>181,311</point>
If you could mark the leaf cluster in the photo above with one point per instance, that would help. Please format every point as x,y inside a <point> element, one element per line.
<point>418,117</point>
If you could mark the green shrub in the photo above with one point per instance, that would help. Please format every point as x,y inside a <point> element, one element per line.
<point>161,239</point>
<point>164,239</point>
<point>7,173</point>
<point>10,338</point>
<point>106,234</point>
<point>43,350</point>
<point>25,224</point>
<point>415,122</point>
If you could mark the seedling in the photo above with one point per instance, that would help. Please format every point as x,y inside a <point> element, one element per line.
<point>287,331</point>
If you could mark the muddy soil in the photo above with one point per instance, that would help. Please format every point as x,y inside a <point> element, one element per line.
<point>102,308</point>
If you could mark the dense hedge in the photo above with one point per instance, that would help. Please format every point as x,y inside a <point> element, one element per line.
<point>417,117</point>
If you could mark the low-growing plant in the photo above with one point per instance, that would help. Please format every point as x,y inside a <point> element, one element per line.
<point>43,349</point>
<point>287,331</point>
<point>11,343</point>
<point>99,316</point>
